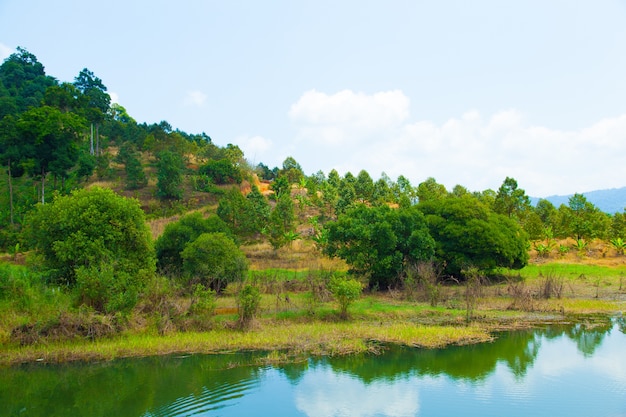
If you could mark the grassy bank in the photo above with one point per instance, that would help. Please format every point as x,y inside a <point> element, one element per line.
<point>291,325</point>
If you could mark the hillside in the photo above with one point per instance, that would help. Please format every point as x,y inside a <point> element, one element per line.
<point>609,201</point>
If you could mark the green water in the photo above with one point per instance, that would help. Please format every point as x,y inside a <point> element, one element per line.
<point>556,371</point>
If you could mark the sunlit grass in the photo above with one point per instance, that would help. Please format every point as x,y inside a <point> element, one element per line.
<point>298,338</point>
<point>291,324</point>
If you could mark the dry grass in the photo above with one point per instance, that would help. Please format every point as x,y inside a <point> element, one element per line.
<point>300,255</point>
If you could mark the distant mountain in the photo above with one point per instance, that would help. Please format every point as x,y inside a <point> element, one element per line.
<point>610,201</point>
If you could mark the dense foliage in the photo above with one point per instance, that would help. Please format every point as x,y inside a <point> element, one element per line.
<point>214,260</point>
<point>95,240</point>
<point>468,234</point>
<point>377,242</point>
<point>177,235</point>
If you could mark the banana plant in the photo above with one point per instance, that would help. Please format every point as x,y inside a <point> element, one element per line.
<point>619,245</point>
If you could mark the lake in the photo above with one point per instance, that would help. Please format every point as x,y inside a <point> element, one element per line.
<point>577,370</point>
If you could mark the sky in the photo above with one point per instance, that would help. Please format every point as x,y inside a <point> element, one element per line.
<point>466,92</point>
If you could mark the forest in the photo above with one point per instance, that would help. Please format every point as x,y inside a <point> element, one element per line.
<point>107,222</point>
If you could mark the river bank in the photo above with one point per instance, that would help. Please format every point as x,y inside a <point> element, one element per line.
<point>292,334</point>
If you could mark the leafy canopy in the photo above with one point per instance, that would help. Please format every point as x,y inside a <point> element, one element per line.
<point>378,241</point>
<point>468,234</point>
<point>170,245</point>
<point>214,260</point>
<point>91,227</point>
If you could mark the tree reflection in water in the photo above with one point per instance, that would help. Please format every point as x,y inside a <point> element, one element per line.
<point>203,384</point>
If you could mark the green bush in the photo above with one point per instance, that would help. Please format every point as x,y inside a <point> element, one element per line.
<point>222,171</point>
<point>345,291</point>
<point>97,243</point>
<point>214,260</point>
<point>170,245</point>
<point>248,302</point>
<point>106,290</point>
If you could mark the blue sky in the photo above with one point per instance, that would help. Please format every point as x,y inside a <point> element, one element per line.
<point>465,92</point>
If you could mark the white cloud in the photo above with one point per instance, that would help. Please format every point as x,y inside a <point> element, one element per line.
<point>5,51</point>
<point>323,393</point>
<point>115,98</point>
<point>349,132</point>
<point>255,148</point>
<point>195,98</point>
<point>346,116</point>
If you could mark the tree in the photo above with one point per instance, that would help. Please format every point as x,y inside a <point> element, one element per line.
<point>281,222</point>
<point>431,190</point>
<point>583,220</point>
<point>10,155</point>
<point>511,200</point>
<point>346,195</point>
<point>280,186</point>
<point>222,171</point>
<point>364,186</point>
<point>382,193</point>
<point>97,103</point>
<point>408,192</point>
<point>135,175</point>
<point>214,260</point>
<point>256,212</point>
<point>170,167</point>
<point>25,81</point>
<point>232,210</point>
<point>468,234</point>
<point>94,233</point>
<point>291,170</point>
<point>170,245</point>
<point>377,242</point>
<point>49,141</point>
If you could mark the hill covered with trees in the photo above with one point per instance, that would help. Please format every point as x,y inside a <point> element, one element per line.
<point>81,178</point>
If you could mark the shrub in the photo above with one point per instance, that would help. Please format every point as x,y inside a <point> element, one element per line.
<point>345,291</point>
<point>214,260</point>
<point>248,302</point>
<point>170,245</point>
<point>105,289</point>
<point>421,280</point>
<point>96,241</point>
<point>221,171</point>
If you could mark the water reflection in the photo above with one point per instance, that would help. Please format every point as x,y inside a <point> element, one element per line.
<point>568,370</point>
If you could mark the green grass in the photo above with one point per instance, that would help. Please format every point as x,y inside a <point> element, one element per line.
<point>298,327</point>
<point>316,338</point>
<point>574,271</point>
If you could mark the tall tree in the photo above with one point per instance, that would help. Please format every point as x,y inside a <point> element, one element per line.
<point>97,103</point>
<point>292,170</point>
<point>170,167</point>
<point>281,221</point>
<point>431,190</point>
<point>584,220</point>
<point>511,200</point>
<point>25,80</point>
<point>10,155</point>
<point>364,186</point>
<point>50,141</point>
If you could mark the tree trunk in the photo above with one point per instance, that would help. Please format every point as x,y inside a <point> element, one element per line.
<point>43,186</point>
<point>97,139</point>
<point>91,141</point>
<point>10,192</point>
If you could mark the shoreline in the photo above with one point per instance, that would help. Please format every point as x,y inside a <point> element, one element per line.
<point>286,341</point>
